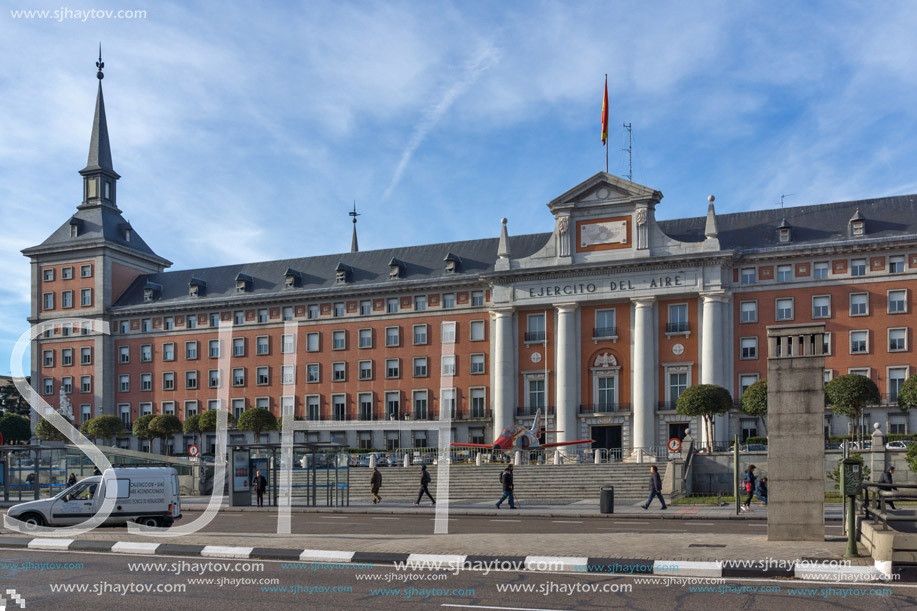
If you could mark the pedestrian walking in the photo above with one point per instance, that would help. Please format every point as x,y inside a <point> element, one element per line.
<point>424,482</point>
<point>506,478</point>
<point>886,478</point>
<point>375,482</point>
<point>71,480</point>
<point>748,486</point>
<point>655,488</point>
<point>259,484</point>
<point>761,490</point>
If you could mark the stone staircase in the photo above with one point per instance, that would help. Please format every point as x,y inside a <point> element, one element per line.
<point>533,483</point>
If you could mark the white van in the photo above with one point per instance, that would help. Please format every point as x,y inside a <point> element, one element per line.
<point>146,495</point>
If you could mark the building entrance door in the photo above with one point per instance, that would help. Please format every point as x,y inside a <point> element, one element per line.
<point>678,430</point>
<point>606,437</point>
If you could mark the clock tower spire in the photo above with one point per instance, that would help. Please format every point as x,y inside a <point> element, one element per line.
<point>99,177</point>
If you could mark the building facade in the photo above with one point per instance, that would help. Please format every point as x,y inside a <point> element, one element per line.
<point>600,322</point>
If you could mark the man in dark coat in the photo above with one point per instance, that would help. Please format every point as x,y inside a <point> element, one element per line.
<point>375,482</point>
<point>259,484</point>
<point>507,479</point>
<point>886,478</point>
<point>655,488</point>
<point>424,482</point>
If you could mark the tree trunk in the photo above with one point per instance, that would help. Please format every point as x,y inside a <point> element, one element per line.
<point>764,424</point>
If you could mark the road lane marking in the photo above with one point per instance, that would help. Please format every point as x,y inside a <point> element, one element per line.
<point>335,517</point>
<point>386,518</point>
<point>506,520</point>
<point>567,521</point>
<point>630,522</point>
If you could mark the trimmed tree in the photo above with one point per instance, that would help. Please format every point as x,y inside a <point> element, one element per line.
<point>907,394</point>
<point>104,427</point>
<point>46,431</point>
<point>12,401</point>
<point>257,420</point>
<point>848,395</point>
<point>192,426</point>
<point>141,429</point>
<point>706,401</point>
<point>15,428</point>
<point>754,402</point>
<point>164,425</point>
<point>208,420</point>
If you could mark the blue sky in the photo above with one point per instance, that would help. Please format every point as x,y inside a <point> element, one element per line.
<point>245,131</point>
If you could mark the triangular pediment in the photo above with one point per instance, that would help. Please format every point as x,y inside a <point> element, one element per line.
<point>604,188</point>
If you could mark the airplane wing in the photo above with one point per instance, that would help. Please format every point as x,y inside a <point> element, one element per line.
<point>565,443</point>
<point>473,445</point>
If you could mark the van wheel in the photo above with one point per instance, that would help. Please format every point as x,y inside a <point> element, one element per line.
<point>32,520</point>
<point>150,521</point>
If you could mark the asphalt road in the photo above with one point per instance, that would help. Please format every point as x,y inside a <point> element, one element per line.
<point>177,584</point>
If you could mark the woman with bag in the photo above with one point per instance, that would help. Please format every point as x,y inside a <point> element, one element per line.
<point>748,486</point>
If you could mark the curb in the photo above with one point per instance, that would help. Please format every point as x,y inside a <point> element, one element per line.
<point>808,570</point>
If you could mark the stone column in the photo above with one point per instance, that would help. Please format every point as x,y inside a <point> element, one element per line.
<point>504,377</point>
<point>565,347</point>
<point>711,359</point>
<point>644,379</point>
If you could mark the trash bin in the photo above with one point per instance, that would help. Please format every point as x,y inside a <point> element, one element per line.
<point>607,499</point>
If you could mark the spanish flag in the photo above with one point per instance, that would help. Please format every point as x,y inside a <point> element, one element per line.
<point>605,113</point>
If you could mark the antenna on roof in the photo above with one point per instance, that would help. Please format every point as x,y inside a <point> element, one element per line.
<point>630,152</point>
<point>353,241</point>
<point>785,195</point>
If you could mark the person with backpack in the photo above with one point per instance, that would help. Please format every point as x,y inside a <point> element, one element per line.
<point>375,482</point>
<point>424,482</point>
<point>506,478</point>
<point>655,488</point>
<point>748,486</point>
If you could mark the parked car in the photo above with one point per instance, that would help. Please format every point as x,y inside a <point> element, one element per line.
<point>900,445</point>
<point>832,446</point>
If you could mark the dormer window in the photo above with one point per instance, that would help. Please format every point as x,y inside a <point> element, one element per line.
<point>857,224</point>
<point>75,225</point>
<point>453,262</point>
<point>342,273</point>
<point>126,231</point>
<point>291,278</point>
<point>243,283</point>
<point>196,287</point>
<point>151,291</point>
<point>396,269</point>
<point>783,231</point>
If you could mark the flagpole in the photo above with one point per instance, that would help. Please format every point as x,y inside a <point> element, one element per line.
<point>606,117</point>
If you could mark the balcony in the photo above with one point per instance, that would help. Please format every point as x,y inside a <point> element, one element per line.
<point>667,405</point>
<point>888,398</point>
<point>366,414</point>
<point>472,414</point>
<point>531,410</point>
<point>534,336</point>
<point>604,408</point>
<point>678,327</point>
<point>604,332</point>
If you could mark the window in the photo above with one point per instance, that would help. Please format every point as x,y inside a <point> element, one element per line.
<point>286,344</point>
<point>420,404</point>
<point>124,412</point>
<point>238,346</point>
<point>47,386</point>
<point>896,264</point>
<point>748,311</point>
<point>897,301</point>
<point>124,383</point>
<point>48,301</point>
<point>605,393</point>
<point>784,273</point>
<point>605,325</point>
<point>168,380</point>
<point>191,322</point>
<point>288,313</point>
<point>287,374</point>
<point>262,345</point>
<point>897,424</point>
<point>858,342</point>
<point>447,402</point>
<point>477,403</point>
<point>85,271</point>
<point>392,305</point>
<point>190,408</point>
<point>678,318</point>
<point>366,338</point>
<point>312,342</point>
<point>821,306</point>
<point>146,325</point>
<point>66,273</point>
<point>897,340</point>
<point>536,394</point>
<point>47,358</point>
<point>168,352</point>
<point>85,356</point>
<point>263,402</point>
<point>146,353</point>
<point>420,335</point>
<point>47,274</point>
<point>420,367</point>
<point>66,299</point>
<point>339,405</point>
<point>190,380</point>
<point>749,347</point>
<point>448,332</point>
<point>238,317</point>
<point>746,380</point>
<point>366,370</point>
<point>66,357</point>
<point>858,267</point>
<point>448,368</point>
<point>392,405</point>
<point>392,368</point>
<point>420,303</point>
<point>262,376</point>
<point>262,315</point>
<point>366,308</point>
<point>124,354</point>
<point>168,323</point>
<point>338,340</point>
<point>859,304</point>
<point>146,381</point>
<point>238,376</point>
<point>477,298</point>
<point>339,310</point>
<point>748,275</point>
<point>785,309</point>
<point>365,401</point>
<point>535,330</point>
<point>477,363</point>
<point>338,372</point>
<point>312,373</point>
<point>678,382</point>
<point>448,301</point>
<point>826,343</point>
<point>86,297</point>
<point>238,407</point>
<point>214,319</point>
<point>313,312</point>
<point>214,348</point>
<point>67,384</point>
<point>85,383</point>
<point>214,378</point>
<point>477,331</point>
<point>392,336</point>
<point>312,408</point>
<point>896,377</point>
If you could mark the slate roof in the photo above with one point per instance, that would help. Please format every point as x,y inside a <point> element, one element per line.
<point>97,223</point>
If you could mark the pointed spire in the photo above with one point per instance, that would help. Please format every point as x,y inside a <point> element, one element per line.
<point>99,146</point>
<point>354,247</point>
<point>710,230</point>
<point>503,251</point>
